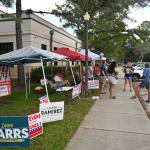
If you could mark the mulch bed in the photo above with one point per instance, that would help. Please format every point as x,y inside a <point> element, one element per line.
<point>141,101</point>
<point>5,102</point>
<point>14,87</point>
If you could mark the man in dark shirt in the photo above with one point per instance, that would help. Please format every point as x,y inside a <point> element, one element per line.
<point>103,76</point>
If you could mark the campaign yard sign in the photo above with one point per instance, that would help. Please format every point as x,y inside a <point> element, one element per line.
<point>52,111</point>
<point>43,81</point>
<point>4,73</point>
<point>76,90</point>
<point>44,99</point>
<point>5,88</point>
<point>93,84</point>
<point>14,132</point>
<point>35,125</point>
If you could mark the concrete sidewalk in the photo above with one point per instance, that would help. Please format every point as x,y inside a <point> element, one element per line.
<point>113,124</point>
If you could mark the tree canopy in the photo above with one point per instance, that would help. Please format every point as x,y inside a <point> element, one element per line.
<point>107,29</point>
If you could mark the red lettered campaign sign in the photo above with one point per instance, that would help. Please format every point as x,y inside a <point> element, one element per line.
<point>93,84</point>
<point>76,90</point>
<point>35,125</point>
<point>44,99</point>
<point>43,82</point>
<point>52,111</point>
<point>5,88</point>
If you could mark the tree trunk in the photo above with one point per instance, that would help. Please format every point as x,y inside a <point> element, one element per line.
<point>19,45</point>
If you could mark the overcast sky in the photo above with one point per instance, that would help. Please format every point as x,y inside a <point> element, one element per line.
<point>47,5</point>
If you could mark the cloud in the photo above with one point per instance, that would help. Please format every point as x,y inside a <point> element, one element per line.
<point>44,5</point>
<point>7,10</point>
<point>140,16</point>
<point>53,23</point>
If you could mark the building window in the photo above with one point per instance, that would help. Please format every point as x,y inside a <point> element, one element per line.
<point>55,48</point>
<point>55,63</point>
<point>44,47</point>
<point>6,47</point>
<point>73,63</point>
<point>77,62</point>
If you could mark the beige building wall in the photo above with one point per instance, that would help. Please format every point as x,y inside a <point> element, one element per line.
<point>36,31</point>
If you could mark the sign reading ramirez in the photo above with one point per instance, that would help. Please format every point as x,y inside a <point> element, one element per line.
<point>14,132</point>
<point>52,111</point>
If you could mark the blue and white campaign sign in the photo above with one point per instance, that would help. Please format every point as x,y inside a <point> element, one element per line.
<point>93,84</point>
<point>14,132</point>
<point>76,90</point>
<point>44,99</point>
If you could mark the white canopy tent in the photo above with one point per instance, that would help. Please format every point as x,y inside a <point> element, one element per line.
<point>92,55</point>
<point>29,55</point>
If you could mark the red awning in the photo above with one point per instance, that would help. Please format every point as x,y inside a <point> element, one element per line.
<point>71,54</point>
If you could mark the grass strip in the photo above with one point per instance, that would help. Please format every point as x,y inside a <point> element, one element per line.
<point>56,134</point>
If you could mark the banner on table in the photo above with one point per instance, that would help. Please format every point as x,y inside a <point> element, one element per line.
<point>93,84</point>
<point>52,111</point>
<point>44,99</point>
<point>76,90</point>
<point>5,88</point>
<point>43,82</point>
<point>4,73</point>
<point>35,125</point>
<point>14,132</point>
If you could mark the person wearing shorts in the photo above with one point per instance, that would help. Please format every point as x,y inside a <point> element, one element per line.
<point>59,81</point>
<point>96,70</point>
<point>112,78</point>
<point>103,77</point>
<point>128,75</point>
<point>145,83</point>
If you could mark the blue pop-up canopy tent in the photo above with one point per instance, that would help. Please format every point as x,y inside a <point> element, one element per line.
<point>29,55</point>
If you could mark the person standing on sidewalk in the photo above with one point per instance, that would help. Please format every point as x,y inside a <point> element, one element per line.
<point>128,75</point>
<point>144,83</point>
<point>103,77</point>
<point>96,70</point>
<point>112,78</point>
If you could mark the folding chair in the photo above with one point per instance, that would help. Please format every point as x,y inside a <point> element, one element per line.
<point>54,87</point>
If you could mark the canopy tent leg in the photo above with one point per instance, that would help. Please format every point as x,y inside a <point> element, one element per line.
<point>92,68</point>
<point>52,71</point>
<point>72,73</point>
<point>29,78</point>
<point>25,81</point>
<point>44,76</point>
<point>62,68</point>
<point>81,77</point>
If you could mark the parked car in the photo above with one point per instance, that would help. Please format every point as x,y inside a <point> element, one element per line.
<point>139,66</point>
<point>137,74</point>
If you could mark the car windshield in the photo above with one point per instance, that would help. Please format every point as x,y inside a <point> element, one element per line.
<point>140,65</point>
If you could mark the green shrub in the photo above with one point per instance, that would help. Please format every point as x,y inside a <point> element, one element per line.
<point>37,74</point>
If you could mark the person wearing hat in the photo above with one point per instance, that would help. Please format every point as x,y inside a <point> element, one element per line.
<point>144,83</point>
<point>58,80</point>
